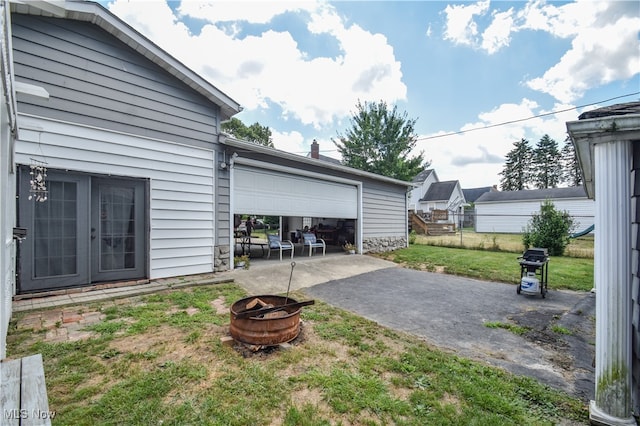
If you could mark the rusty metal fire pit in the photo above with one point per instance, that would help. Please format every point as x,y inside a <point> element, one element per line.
<point>266,320</point>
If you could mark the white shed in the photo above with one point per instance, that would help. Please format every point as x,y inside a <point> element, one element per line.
<point>511,211</point>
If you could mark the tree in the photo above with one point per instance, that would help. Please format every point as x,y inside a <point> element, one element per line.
<point>549,229</point>
<point>254,133</point>
<point>571,174</point>
<point>546,165</point>
<point>381,141</point>
<point>516,172</point>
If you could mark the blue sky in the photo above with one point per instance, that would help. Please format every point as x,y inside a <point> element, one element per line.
<point>300,67</point>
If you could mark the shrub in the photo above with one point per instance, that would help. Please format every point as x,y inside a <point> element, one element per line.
<point>412,236</point>
<point>549,229</point>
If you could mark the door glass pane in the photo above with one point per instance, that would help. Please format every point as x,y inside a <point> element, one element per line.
<point>117,228</point>
<point>55,231</point>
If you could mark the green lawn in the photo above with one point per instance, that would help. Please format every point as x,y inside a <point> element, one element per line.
<point>159,359</point>
<point>570,273</point>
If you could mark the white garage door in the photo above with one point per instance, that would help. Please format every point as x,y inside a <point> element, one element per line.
<point>272,193</point>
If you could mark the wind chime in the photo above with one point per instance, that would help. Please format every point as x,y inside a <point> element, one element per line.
<point>38,181</point>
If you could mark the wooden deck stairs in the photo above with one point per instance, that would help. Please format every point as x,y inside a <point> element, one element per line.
<point>422,226</point>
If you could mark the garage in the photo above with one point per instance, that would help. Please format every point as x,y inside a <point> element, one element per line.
<point>296,193</point>
<point>298,199</point>
<point>273,193</point>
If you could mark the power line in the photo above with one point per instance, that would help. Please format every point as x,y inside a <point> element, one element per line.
<point>523,119</point>
<point>512,121</point>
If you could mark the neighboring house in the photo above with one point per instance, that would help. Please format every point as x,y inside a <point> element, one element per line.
<point>472,194</point>
<point>430,194</point>
<point>422,182</point>
<point>607,143</point>
<point>315,153</point>
<point>511,211</point>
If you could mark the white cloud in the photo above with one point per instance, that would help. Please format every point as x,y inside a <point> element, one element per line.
<point>294,142</point>
<point>314,91</point>
<point>598,56</point>
<point>290,142</point>
<point>498,33</point>
<point>155,20</point>
<point>254,11</point>
<point>270,70</point>
<point>604,40</point>
<point>476,157</point>
<point>484,157</point>
<point>461,27</point>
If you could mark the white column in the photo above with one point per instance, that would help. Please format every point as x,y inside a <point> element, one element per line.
<point>612,273</point>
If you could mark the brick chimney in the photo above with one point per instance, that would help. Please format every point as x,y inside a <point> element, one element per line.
<point>315,150</point>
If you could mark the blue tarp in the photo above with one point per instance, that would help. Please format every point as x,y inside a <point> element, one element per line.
<point>582,233</point>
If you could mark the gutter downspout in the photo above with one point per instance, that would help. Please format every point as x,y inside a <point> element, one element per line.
<point>232,238</point>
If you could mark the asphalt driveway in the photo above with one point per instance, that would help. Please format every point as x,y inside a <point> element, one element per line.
<point>452,313</point>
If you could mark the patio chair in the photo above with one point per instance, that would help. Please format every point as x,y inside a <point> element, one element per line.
<point>310,240</point>
<point>276,244</point>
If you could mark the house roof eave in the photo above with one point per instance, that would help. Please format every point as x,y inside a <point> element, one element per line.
<point>532,195</point>
<point>587,133</point>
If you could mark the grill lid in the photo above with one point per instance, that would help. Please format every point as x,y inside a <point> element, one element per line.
<point>535,255</point>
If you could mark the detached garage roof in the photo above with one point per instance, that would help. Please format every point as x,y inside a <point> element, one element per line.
<point>250,146</point>
<point>472,194</point>
<point>532,194</point>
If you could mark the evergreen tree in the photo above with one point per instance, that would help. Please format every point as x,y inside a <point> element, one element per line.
<point>254,133</point>
<point>571,173</point>
<point>516,171</point>
<point>546,164</point>
<point>380,141</point>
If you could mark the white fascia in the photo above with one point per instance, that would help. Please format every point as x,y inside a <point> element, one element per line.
<point>586,133</point>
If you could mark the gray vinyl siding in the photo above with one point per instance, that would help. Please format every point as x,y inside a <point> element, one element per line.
<point>94,79</point>
<point>635,262</point>
<point>180,179</point>
<point>223,203</point>
<point>384,211</point>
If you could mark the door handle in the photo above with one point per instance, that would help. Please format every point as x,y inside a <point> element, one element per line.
<point>93,234</point>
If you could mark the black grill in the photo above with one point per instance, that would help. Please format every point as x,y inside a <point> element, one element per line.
<point>535,255</point>
<point>533,263</point>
